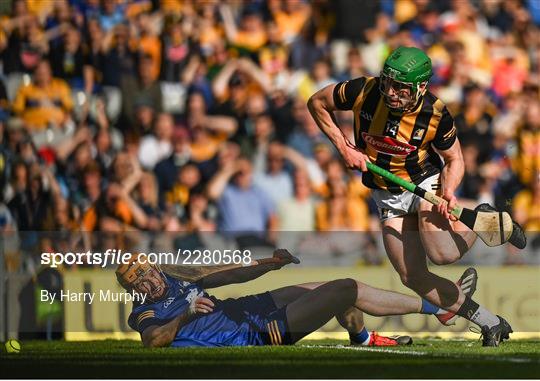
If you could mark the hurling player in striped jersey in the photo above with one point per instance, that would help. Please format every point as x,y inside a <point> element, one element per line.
<point>402,127</point>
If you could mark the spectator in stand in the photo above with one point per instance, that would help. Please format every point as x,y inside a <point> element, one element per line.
<point>147,200</point>
<point>250,35</point>
<point>33,201</point>
<point>355,66</point>
<point>297,213</point>
<point>117,57</point>
<point>290,17</point>
<point>177,51</point>
<point>44,102</point>
<point>344,208</point>
<point>90,189</point>
<point>245,211</point>
<point>209,131</point>
<point>186,182</point>
<point>71,62</point>
<point>157,146</point>
<point>306,133</point>
<point>527,160</point>
<point>167,169</point>
<point>474,123</point>
<point>526,216</point>
<point>140,89</point>
<point>272,177</point>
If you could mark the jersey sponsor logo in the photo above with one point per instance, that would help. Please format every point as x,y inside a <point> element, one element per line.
<point>388,145</point>
<point>168,302</point>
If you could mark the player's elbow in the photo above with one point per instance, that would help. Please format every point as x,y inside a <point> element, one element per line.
<point>315,103</point>
<point>155,343</point>
<point>156,339</point>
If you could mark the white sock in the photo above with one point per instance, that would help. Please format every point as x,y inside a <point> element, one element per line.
<point>483,317</point>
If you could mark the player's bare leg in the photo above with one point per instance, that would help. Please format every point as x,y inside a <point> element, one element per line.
<point>315,304</point>
<point>351,320</point>
<point>405,250</point>
<point>445,241</point>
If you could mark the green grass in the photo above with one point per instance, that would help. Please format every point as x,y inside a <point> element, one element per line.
<point>309,359</point>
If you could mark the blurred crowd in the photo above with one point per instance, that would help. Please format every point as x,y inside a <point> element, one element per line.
<point>190,116</point>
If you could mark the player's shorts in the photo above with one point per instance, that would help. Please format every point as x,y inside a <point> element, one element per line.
<point>275,329</point>
<point>392,205</point>
<point>265,318</point>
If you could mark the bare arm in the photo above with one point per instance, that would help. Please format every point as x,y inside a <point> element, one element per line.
<point>194,273</point>
<point>67,146</point>
<point>220,123</point>
<point>239,274</point>
<point>295,158</point>
<point>217,184</point>
<point>228,21</point>
<point>255,73</point>
<point>162,336</point>
<point>53,183</point>
<point>139,216</point>
<point>221,81</point>
<point>187,76</point>
<point>130,182</point>
<point>452,174</point>
<point>88,74</point>
<point>321,106</point>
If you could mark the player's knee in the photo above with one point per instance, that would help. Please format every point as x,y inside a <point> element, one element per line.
<point>348,286</point>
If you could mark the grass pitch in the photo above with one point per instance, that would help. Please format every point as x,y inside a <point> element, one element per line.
<point>308,359</point>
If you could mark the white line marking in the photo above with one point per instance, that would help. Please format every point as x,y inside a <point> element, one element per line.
<point>421,353</point>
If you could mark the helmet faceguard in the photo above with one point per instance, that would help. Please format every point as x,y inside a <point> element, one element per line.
<point>401,96</point>
<point>404,78</point>
<point>142,277</point>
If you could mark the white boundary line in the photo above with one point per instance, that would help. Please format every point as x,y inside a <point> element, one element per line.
<point>422,353</point>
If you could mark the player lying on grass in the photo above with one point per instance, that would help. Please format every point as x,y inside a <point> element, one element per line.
<point>402,127</point>
<point>179,313</point>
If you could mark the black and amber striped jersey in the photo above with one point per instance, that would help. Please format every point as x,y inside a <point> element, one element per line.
<point>402,143</point>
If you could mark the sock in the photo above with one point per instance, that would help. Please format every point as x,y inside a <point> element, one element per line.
<point>361,337</point>
<point>431,309</point>
<point>472,311</point>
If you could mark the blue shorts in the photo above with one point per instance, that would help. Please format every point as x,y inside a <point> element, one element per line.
<point>263,316</point>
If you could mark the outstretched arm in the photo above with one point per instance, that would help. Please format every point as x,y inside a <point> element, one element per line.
<point>241,274</point>
<point>215,276</point>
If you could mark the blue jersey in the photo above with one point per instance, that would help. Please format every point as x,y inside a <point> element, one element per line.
<point>234,322</point>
